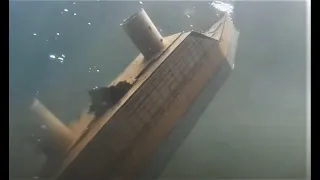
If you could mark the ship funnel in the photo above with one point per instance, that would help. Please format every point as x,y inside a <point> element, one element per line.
<point>143,34</point>
<point>59,132</point>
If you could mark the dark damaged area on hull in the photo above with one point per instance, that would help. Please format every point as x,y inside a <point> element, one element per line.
<point>103,98</point>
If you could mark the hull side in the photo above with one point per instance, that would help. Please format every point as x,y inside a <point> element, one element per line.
<point>185,125</point>
<point>205,66</point>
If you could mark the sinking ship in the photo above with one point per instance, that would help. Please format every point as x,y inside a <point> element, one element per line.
<point>167,87</point>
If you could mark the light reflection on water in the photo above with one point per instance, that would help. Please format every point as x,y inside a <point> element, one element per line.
<point>52,56</point>
<point>222,6</point>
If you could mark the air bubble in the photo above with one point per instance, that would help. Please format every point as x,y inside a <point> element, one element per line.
<point>52,56</point>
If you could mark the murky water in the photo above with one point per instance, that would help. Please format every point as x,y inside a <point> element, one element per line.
<point>255,127</point>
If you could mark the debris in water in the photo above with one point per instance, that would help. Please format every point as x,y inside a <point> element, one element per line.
<point>140,2</point>
<point>66,10</point>
<point>34,34</point>
<point>58,34</point>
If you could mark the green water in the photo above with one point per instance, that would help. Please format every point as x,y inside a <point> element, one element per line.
<point>254,128</point>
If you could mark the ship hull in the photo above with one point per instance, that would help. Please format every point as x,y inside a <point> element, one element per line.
<point>204,72</point>
<point>184,125</point>
<point>136,137</point>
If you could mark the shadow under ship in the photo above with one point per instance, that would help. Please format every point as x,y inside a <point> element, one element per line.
<point>169,85</point>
